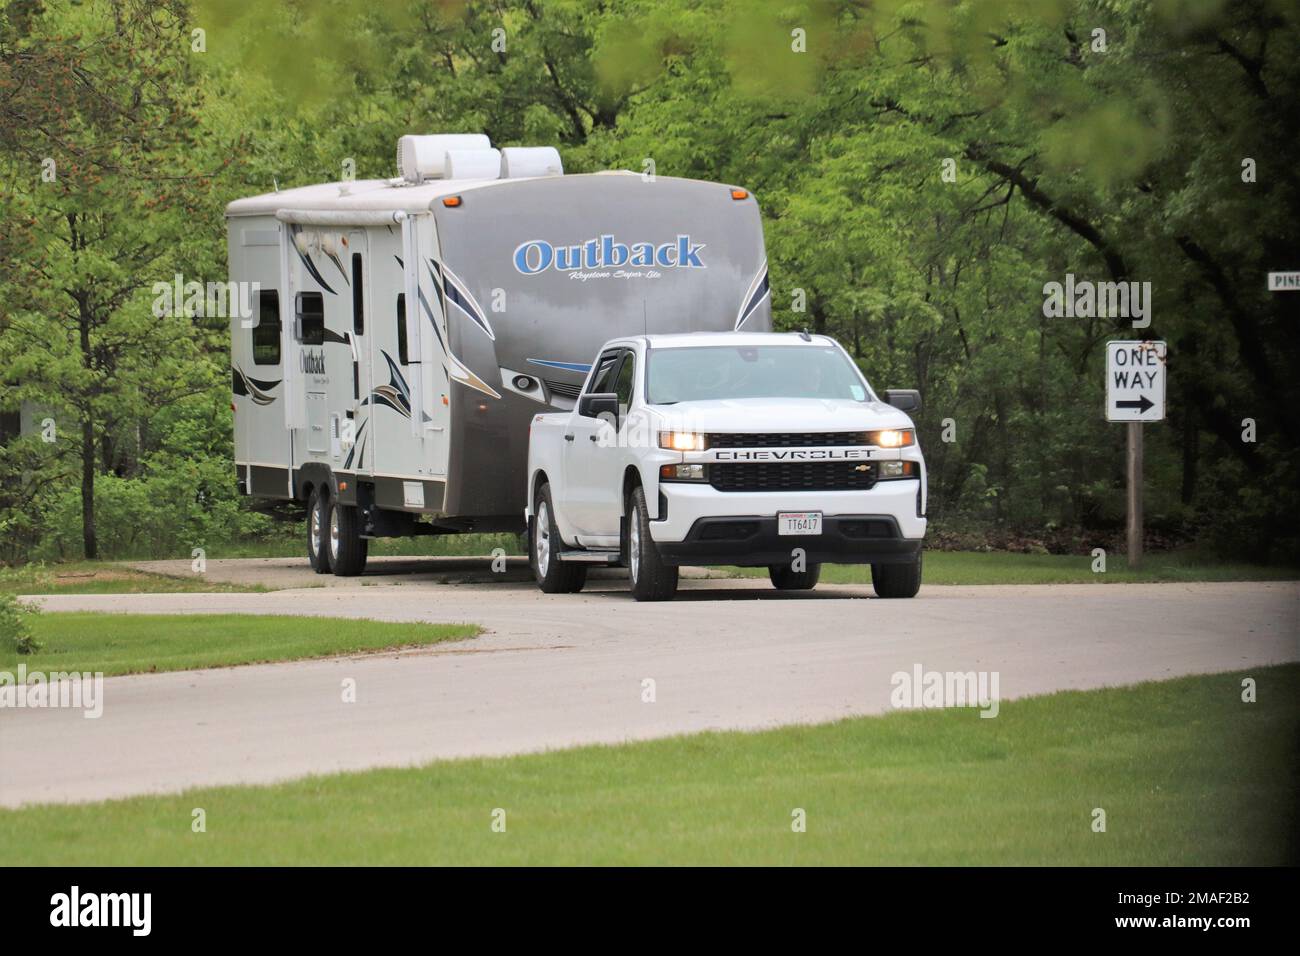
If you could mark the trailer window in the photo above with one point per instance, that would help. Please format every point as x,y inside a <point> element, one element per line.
<point>402,355</point>
<point>311,318</point>
<point>266,334</point>
<point>358,297</point>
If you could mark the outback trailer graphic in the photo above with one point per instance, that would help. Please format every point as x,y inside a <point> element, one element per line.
<point>606,252</point>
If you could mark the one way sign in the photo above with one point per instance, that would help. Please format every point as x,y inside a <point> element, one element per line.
<point>1135,381</point>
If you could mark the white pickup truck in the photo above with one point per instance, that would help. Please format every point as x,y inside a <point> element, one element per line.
<point>762,450</point>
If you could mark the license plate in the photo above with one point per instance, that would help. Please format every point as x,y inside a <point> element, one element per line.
<point>799,522</point>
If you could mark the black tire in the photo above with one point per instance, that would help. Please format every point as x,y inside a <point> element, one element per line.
<point>785,578</point>
<point>347,549</point>
<point>544,545</point>
<point>652,580</point>
<point>897,580</point>
<point>318,507</point>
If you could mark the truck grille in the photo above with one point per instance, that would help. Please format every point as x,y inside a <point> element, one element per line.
<point>793,476</point>
<point>787,439</point>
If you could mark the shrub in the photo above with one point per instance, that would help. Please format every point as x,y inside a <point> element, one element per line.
<point>15,630</point>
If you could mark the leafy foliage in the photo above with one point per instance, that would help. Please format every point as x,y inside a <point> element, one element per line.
<point>15,627</point>
<point>924,169</point>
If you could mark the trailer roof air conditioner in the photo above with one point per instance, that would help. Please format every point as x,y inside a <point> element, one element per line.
<point>520,161</point>
<point>472,164</point>
<point>425,157</point>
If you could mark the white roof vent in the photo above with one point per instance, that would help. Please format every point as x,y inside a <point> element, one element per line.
<point>472,164</point>
<point>425,157</point>
<point>520,161</point>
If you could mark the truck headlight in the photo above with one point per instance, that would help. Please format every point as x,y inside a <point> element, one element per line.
<point>886,470</point>
<point>683,473</point>
<point>683,441</point>
<point>892,438</point>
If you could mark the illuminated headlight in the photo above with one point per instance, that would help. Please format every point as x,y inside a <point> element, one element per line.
<point>891,438</point>
<point>682,473</point>
<point>682,441</point>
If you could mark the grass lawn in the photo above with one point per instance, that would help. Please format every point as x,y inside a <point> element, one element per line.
<point>1005,567</point>
<point>1187,773</point>
<point>133,643</point>
<point>98,577</point>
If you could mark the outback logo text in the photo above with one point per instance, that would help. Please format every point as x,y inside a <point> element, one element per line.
<point>538,255</point>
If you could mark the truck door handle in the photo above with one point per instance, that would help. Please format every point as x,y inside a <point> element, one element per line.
<point>568,438</point>
<point>592,437</point>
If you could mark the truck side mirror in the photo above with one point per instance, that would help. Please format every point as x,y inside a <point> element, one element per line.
<point>598,405</point>
<point>904,399</point>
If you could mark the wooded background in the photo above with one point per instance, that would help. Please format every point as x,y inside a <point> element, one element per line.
<point>1160,149</point>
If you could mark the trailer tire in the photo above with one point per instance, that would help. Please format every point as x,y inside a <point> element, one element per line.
<point>652,580</point>
<point>897,580</point>
<point>318,506</point>
<point>785,578</point>
<point>346,548</point>
<point>553,575</point>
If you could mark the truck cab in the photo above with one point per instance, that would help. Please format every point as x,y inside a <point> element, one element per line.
<point>752,449</point>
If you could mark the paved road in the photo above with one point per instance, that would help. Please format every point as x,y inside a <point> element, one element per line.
<point>556,671</point>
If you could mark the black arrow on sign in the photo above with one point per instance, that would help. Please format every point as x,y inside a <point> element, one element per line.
<point>1141,403</point>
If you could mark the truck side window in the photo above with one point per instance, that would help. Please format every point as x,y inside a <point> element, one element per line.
<point>266,334</point>
<point>402,356</point>
<point>624,379</point>
<point>600,381</point>
<point>311,318</point>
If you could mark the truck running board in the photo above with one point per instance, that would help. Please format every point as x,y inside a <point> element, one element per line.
<point>591,557</point>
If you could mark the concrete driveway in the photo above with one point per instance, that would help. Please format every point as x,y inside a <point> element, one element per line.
<point>557,671</point>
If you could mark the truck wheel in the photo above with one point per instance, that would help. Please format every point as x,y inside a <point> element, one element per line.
<point>347,549</point>
<point>652,580</point>
<point>785,578</point>
<point>553,575</point>
<point>318,507</point>
<point>897,580</point>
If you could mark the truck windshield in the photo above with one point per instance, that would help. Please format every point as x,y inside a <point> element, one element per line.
<point>766,371</point>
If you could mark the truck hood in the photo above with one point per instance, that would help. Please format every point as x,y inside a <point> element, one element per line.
<point>779,415</point>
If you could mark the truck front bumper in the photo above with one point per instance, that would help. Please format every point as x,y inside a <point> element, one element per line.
<point>705,526</point>
<point>753,542</point>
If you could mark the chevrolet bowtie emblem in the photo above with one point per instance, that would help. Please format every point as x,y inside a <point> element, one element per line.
<point>862,468</point>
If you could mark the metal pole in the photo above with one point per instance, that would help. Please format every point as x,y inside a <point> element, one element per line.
<point>1134,494</point>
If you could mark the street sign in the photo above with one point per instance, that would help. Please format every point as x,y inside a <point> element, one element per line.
<point>1135,381</point>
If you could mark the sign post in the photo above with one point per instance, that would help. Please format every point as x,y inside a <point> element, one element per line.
<point>1134,526</point>
<point>1135,393</point>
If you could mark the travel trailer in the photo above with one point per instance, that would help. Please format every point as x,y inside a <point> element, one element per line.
<point>407,330</point>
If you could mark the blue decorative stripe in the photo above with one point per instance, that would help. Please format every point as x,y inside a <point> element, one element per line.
<point>567,366</point>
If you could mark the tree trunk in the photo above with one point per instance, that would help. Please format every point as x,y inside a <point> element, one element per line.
<point>90,546</point>
<point>1191,449</point>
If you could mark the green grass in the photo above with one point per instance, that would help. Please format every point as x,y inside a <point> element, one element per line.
<point>1187,773</point>
<point>133,643</point>
<point>99,577</point>
<point>1005,567</point>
